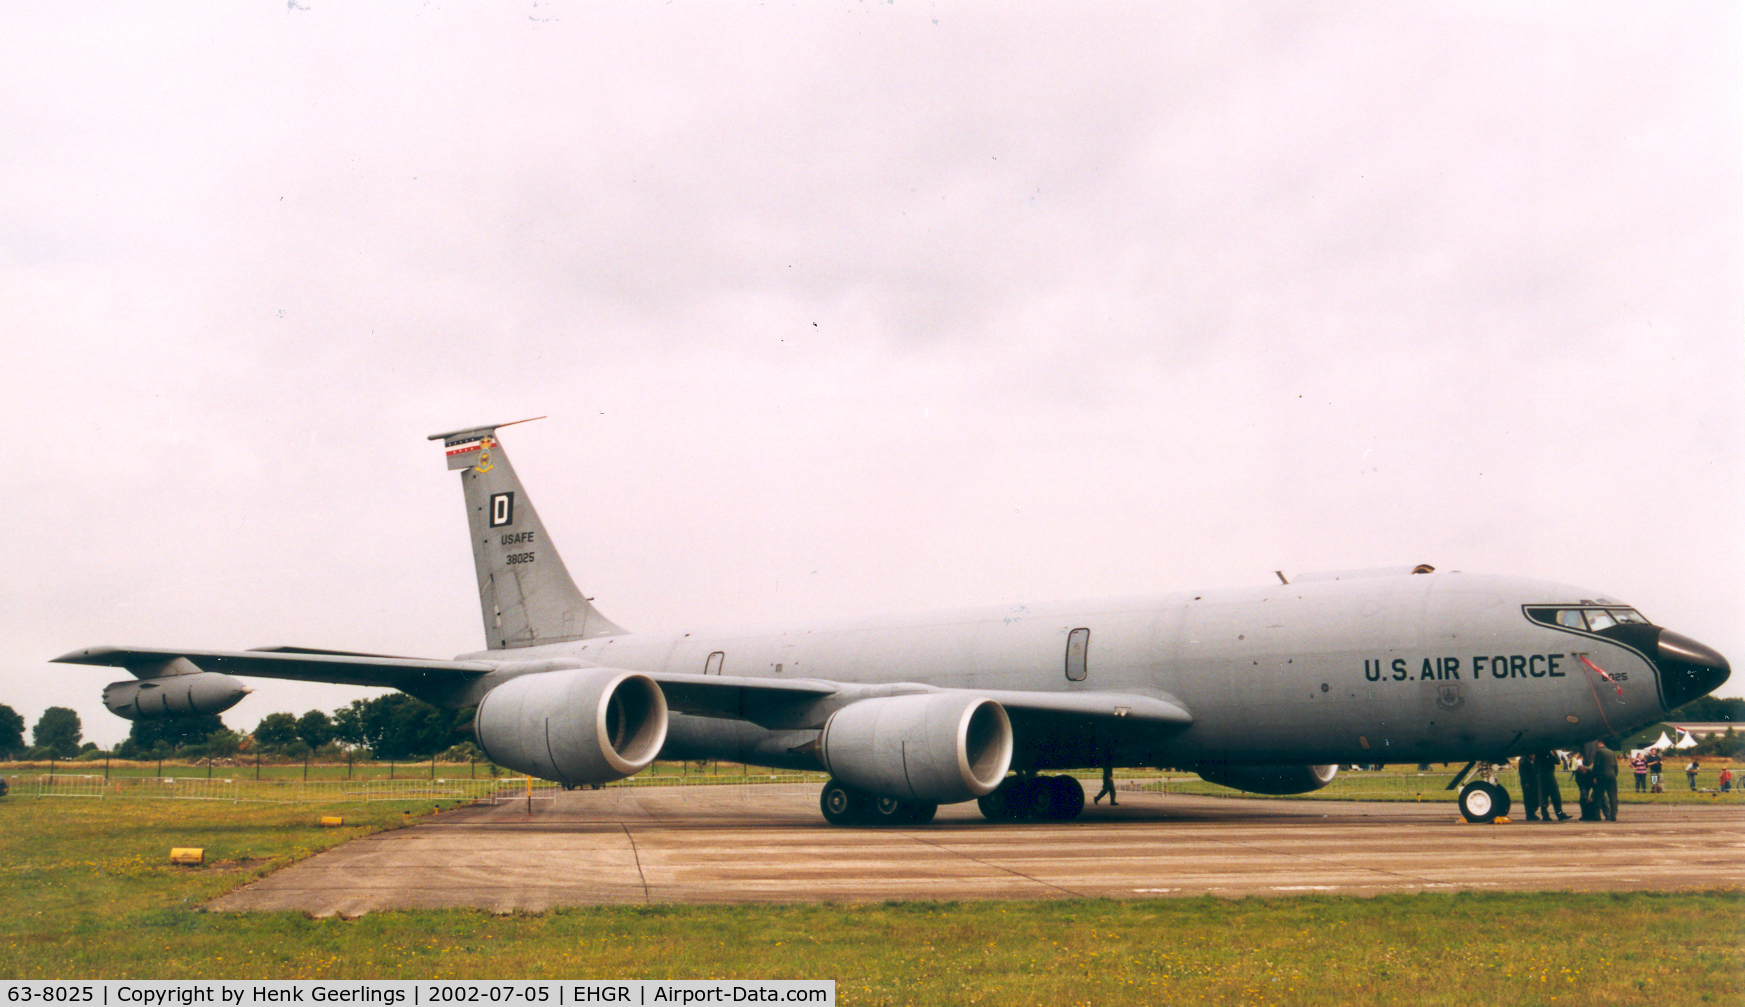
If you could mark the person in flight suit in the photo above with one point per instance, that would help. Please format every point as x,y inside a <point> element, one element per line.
<point>1550,796</point>
<point>1606,781</point>
<point>1528,767</point>
<point>1584,785</point>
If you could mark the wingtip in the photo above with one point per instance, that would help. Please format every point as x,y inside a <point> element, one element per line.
<point>84,655</point>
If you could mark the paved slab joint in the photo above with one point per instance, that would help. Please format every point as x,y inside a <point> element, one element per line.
<point>768,844</point>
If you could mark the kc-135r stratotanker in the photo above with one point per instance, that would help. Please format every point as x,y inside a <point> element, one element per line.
<point>1265,689</point>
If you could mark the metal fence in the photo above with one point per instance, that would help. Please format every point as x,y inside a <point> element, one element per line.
<point>1348,785</point>
<point>496,790</point>
<point>237,789</point>
<point>1386,785</point>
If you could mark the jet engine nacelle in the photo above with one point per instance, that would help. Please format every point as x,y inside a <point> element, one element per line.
<point>933,748</point>
<point>1268,779</point>
<point>583,726</point>
<point>173,695</point>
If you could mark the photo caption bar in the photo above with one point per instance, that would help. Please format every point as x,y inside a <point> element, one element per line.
<point>415,993</point>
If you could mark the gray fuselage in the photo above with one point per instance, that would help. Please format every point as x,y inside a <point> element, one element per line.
<point>1399,668</point>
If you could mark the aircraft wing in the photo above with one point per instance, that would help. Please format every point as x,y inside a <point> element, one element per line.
<point>799,703</point>
<point>301,664</point>
<point>1131,708</point>
<point>771,703</point>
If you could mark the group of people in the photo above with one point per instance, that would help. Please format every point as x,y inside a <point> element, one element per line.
<point>1596,779</point>
<point>1539,790</point>
<point>1647,770</point>
<point>1726,780</point>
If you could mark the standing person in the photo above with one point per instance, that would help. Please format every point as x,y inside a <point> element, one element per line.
<point>1726,779</point>
<point>1108,786</point>
<point>1550,796</point>
<point>1639,766</point>
<point>1606,781</point>
<point>1584,786</point>
<point>1529,770</point>
<point>1654,767</point>
<point>1690,773</point>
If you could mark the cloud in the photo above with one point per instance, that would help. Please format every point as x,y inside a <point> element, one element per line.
<point>862,308</point>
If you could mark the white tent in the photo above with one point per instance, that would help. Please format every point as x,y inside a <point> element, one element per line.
<point>1662,742</point>
<point>1685,740</point>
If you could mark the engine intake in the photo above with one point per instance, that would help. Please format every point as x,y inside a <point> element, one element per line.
<point>173,695</point>
<point>934,748</point>
<point>582,726</point>
<point>1267,779</point>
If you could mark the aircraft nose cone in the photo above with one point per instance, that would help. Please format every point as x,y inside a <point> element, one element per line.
<point>1688,670</point>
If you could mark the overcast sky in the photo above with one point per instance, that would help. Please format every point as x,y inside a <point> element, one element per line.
<point>850,308</point>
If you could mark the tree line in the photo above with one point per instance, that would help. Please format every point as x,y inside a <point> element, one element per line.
<point>391,727</point>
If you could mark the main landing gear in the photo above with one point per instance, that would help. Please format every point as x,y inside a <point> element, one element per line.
<point>846,805</point>
<point>1483,802</point>
<point>1051,798</point>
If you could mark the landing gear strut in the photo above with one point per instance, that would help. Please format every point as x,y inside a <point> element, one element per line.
<point>1051,798</point>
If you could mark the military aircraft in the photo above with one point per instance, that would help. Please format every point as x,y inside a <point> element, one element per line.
<point>1267,689</point>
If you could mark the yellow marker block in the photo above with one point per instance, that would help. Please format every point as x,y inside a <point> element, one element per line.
<point>331,821</point>
<point>1503,820</point>
<point>187,855</point>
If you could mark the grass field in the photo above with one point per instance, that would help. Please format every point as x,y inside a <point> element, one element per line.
<point>89,894</point>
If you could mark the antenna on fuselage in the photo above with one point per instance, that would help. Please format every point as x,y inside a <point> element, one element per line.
<point>1281,578</point>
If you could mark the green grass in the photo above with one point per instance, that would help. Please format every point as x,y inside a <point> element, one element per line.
<point>89,894</point>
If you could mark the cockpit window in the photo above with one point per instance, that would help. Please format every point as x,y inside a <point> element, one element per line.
<point>1590,619</point>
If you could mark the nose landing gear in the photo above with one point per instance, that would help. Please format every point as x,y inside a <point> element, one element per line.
<point>1483,803</point>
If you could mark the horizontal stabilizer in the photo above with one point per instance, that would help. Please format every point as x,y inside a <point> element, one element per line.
<point>477,432</point>
<point>405,673</point>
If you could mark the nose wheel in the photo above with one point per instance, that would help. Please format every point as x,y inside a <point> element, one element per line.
<point>1483,803</point>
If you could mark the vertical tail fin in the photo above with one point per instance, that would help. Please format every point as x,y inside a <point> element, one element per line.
<point>525,592</point>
